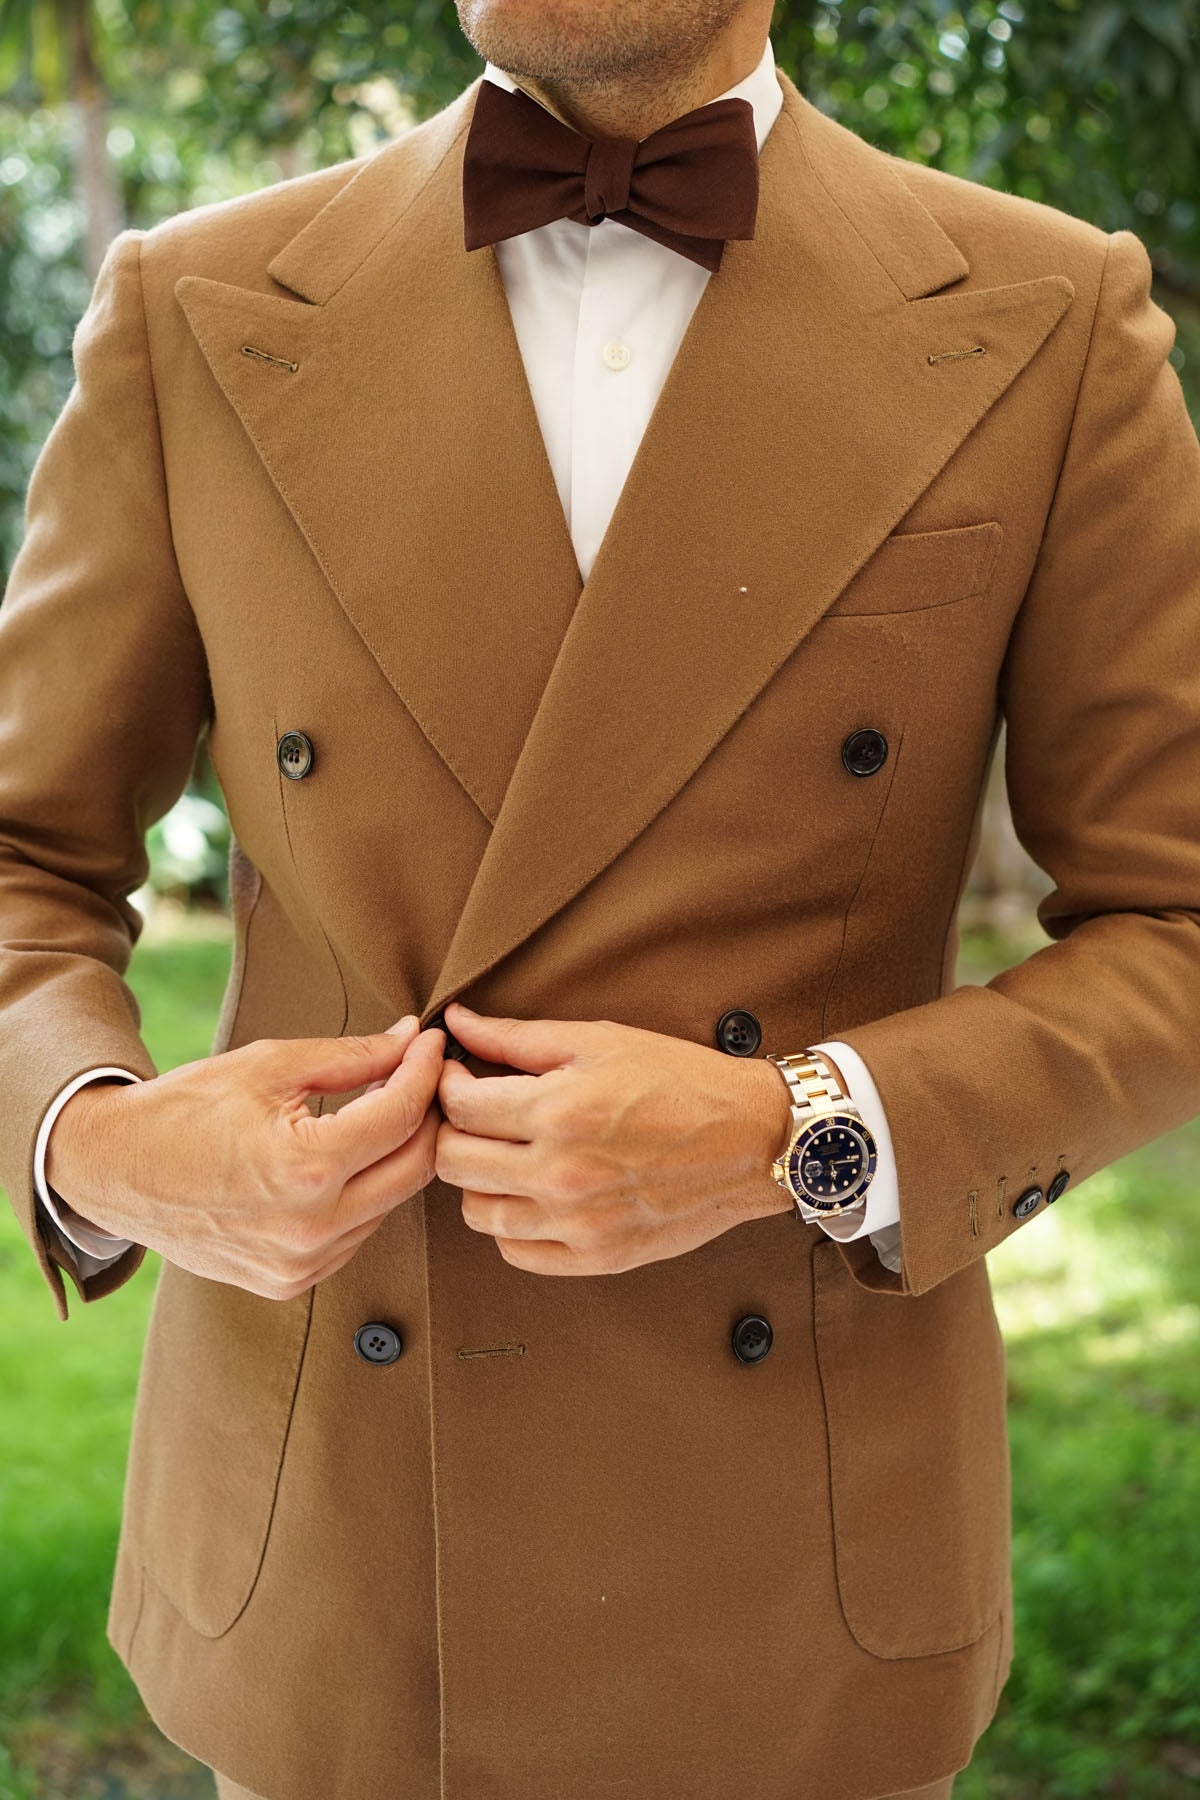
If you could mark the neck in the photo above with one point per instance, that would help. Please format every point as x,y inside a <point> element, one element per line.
<point>633,107</point>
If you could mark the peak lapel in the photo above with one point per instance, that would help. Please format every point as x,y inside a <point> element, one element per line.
<point>406,445</point>
<point>799,422</point>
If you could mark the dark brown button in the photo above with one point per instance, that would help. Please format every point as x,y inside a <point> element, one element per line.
<point>294,754</point>
<point>1027,1202</point>
<point>1057,1185</point>
<point>751,1338</point>
<point>454,1051</point>
<point>865,751</point>
<point>738,1032</point>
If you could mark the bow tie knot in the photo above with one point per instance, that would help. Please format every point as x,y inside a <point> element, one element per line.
<point>607,176</point>
<point>691,185</point>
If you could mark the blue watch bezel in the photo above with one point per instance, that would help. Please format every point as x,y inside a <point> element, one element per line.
<point>856,1123</point>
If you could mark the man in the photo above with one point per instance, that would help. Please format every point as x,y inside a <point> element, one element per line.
<point>887,456</point>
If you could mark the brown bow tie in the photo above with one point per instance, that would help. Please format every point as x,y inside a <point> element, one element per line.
<point>690,185</point>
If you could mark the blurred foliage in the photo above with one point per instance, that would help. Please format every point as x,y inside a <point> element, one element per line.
<point>282,72</point>
<point>43,290</point>
<point>189,850</point>
<point>1094,108</point>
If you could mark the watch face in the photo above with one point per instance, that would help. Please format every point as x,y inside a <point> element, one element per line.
<point>832,1160</point>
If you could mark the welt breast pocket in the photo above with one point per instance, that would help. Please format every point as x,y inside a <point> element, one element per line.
<point>912,571</point>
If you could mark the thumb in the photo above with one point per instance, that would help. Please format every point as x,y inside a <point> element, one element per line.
<point>331,1065</point>
<point>408,1028</point>
<point>534,1045</point>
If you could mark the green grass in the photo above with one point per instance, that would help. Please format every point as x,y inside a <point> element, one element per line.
<point>1101,1313</point>
<point>1100,1304</point>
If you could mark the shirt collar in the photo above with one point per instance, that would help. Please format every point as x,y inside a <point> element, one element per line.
<point>761,88</point>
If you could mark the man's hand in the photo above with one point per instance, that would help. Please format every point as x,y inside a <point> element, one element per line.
<point>615,1146</point>
<point>221,1166</point>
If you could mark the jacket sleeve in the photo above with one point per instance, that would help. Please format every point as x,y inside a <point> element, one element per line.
<point>104,694</point>
<point>1091,1046</point>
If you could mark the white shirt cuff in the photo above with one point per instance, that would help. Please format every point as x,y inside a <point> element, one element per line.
<point>881,1219</point>
<point>95,1248</point>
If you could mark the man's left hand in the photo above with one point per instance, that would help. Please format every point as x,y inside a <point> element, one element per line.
<point>612,1147</point>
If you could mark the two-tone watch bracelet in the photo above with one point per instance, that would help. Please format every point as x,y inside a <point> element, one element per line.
<point>810,1080</point>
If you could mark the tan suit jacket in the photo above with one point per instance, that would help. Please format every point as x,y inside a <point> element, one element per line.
<point>921,461</point>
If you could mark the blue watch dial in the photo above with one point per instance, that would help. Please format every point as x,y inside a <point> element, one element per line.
<point>832,1160</point>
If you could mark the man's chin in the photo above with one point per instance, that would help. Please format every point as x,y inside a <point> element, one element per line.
<point>573,42</point>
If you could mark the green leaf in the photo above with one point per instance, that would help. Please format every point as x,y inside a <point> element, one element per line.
<point>1096,36</point>
<point>1174,26</point>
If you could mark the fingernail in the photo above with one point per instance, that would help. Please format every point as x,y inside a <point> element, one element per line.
<point>403,1025</point>
<point>469,1010</point>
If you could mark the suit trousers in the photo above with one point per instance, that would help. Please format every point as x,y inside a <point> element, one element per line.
<point>939,1790</point>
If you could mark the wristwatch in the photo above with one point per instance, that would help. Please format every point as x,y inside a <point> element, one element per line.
<point>829,1160</point>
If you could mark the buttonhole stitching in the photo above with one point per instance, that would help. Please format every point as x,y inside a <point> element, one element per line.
<point>280,362</point>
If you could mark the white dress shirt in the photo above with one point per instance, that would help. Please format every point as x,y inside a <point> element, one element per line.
<point>599,312</point>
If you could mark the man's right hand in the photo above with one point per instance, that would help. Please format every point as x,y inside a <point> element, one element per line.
<point>221,1166</point>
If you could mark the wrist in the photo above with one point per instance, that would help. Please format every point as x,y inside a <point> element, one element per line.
<point>768,1126</point>
<point>73,1159</point>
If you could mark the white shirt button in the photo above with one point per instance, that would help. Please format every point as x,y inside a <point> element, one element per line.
<point>616,354</point>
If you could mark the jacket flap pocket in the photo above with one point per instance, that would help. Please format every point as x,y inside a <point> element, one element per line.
<point>916,569</point>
